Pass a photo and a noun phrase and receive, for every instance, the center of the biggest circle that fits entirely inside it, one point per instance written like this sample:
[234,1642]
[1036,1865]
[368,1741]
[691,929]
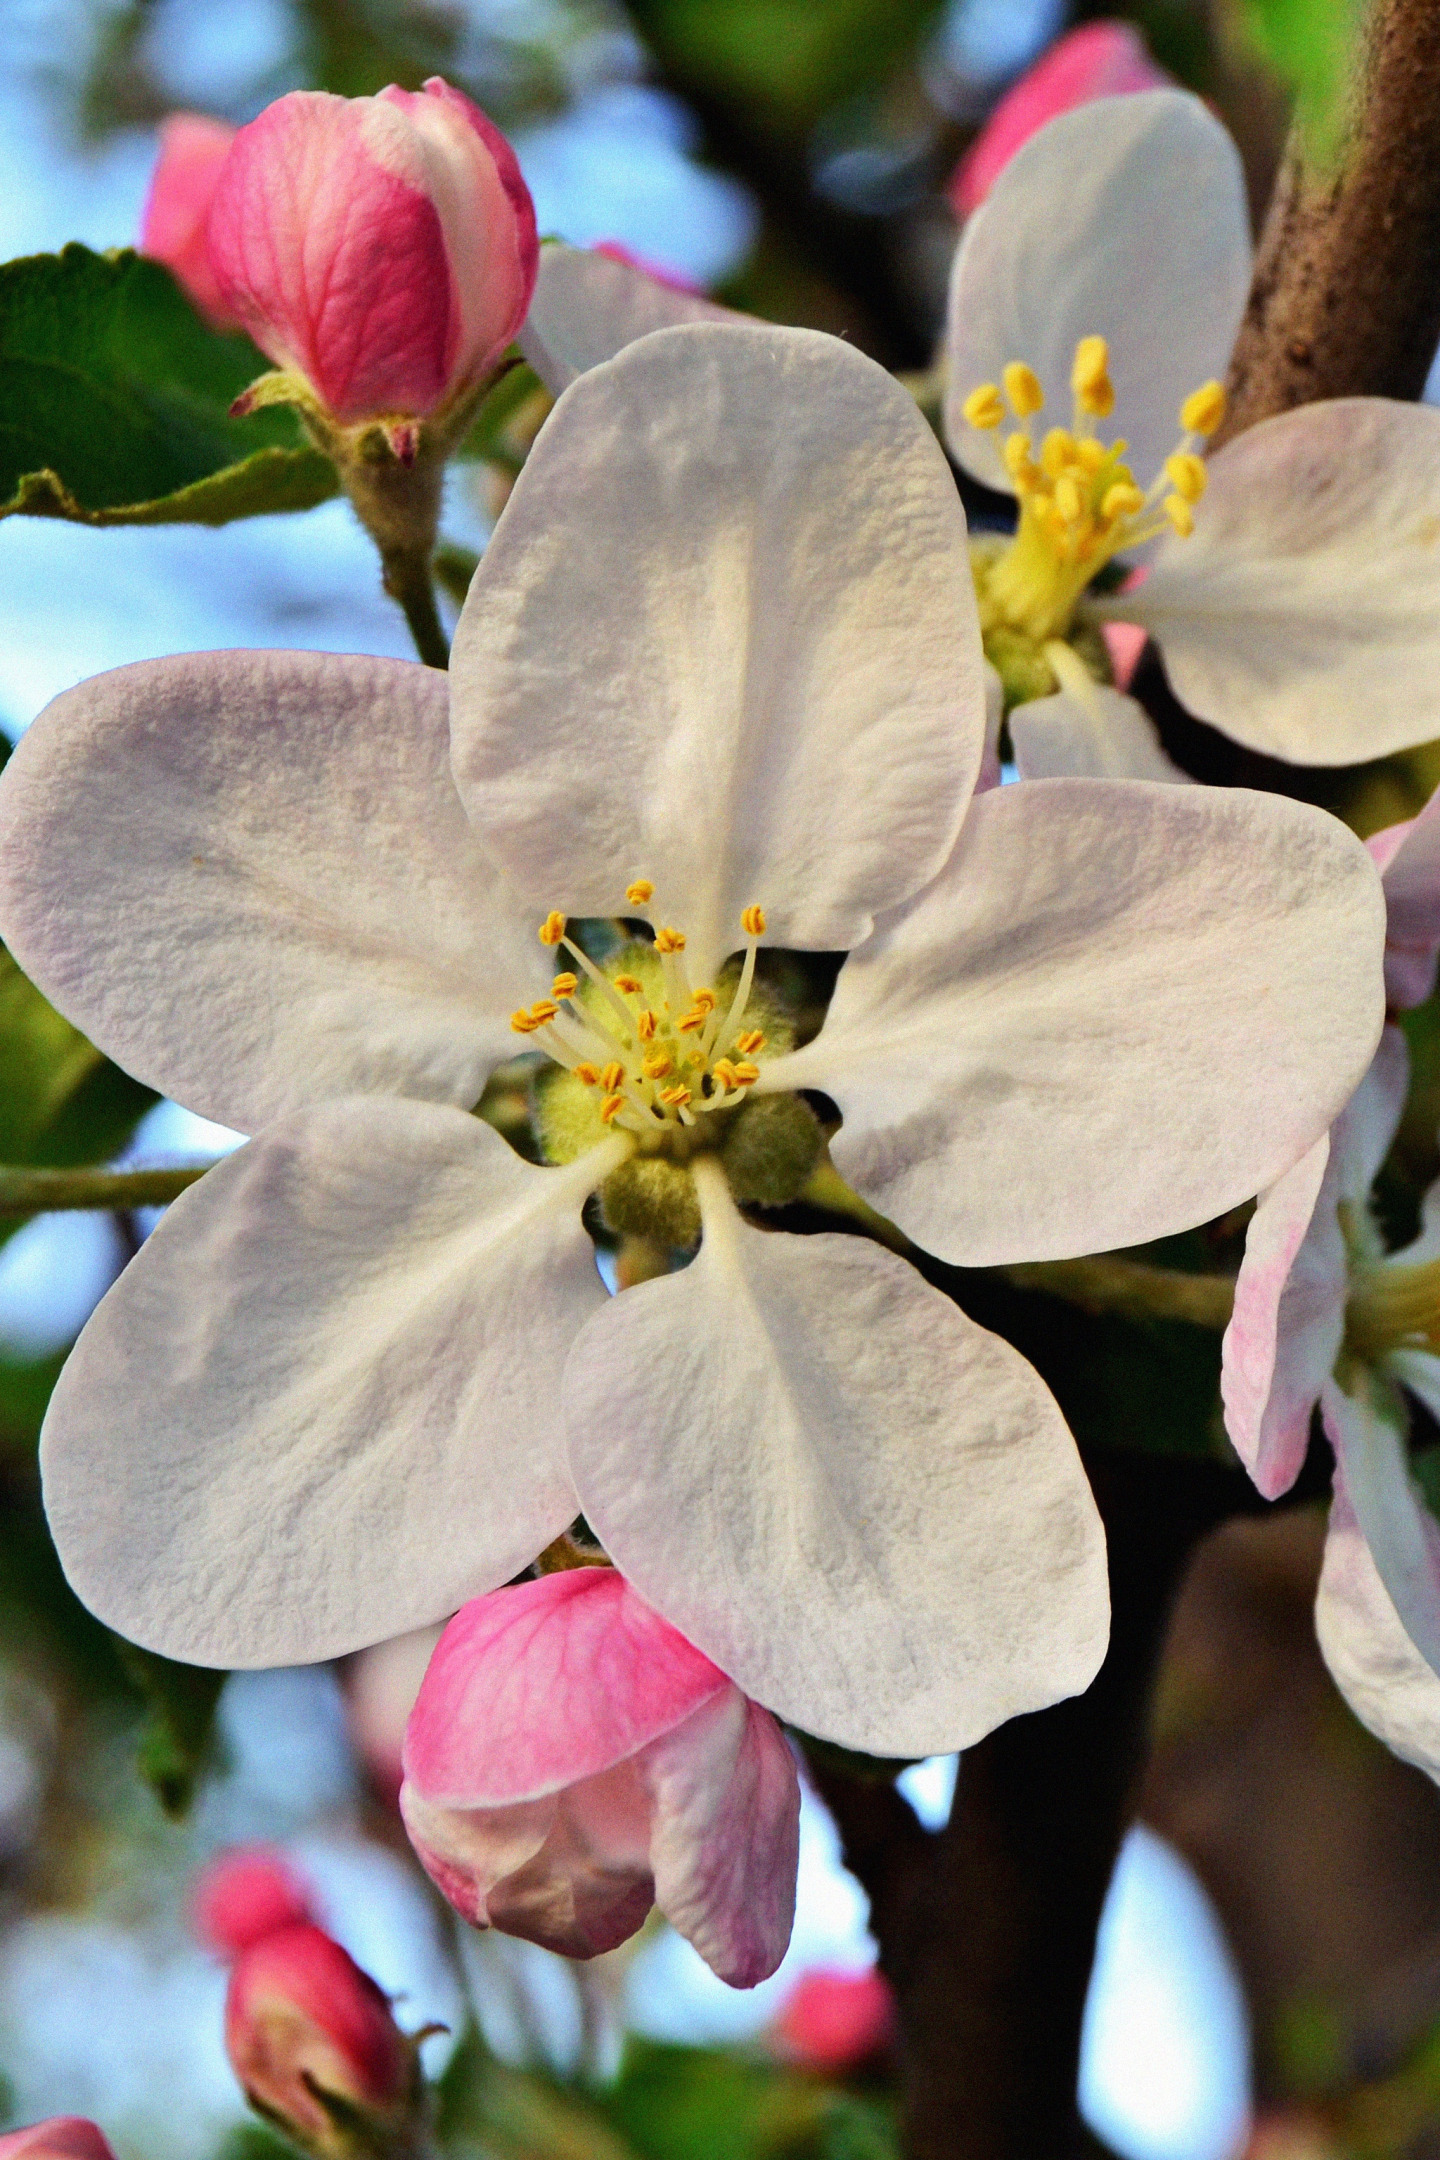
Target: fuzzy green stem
[408,579]
[41,1192]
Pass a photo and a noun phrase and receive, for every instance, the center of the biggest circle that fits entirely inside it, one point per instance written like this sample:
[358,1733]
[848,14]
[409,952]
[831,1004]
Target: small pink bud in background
[383,248]
[836,2020]
[59,2137]
[192,150]
[303,2023]
[245,1895]
[1100,59]
[572,1759]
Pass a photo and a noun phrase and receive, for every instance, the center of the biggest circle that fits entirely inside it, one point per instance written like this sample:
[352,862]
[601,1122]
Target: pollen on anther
[1204,409]
[588,1074]
[524,1023]
[752,922]
[748,1043]
[669,940]
[1090,377]
[658,1065]
[611,1108]
[543,1010]
[984,408]
[1181,516]
[646,1026]
[690,1021]
[553,928]
[564,986]
[1022,387]
[611,1077]
[1186,474]
[630,984]
[674,1097]
[640,892]
[745,1073]
[1122,500]
[705,1001]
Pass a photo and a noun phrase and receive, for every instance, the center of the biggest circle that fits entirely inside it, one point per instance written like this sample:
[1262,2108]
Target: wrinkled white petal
[587,307]
[867,1510]
[1120,1010]
[247,876]
[1419,1371]
[1361,1136]
[1123,219]
[1099,734]
[318,1408]
[989,775]
[1366,1426]
[1372,1660]
[725,638]
[1302,617]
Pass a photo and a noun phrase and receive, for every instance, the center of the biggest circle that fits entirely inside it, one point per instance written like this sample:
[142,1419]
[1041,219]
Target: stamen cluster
[658,1057]
[1080,504]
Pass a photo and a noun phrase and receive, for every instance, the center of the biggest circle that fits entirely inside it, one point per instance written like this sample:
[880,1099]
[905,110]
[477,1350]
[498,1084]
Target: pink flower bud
[1100,59]
[303,2023]
[572,1759]
[381,247]
[59,2137]
[836,2020]
[246,1895]
[192,150]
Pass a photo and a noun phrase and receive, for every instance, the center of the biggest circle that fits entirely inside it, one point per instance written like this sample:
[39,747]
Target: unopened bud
[836,2020]
[59,2137]
[246,1894]
[193,148]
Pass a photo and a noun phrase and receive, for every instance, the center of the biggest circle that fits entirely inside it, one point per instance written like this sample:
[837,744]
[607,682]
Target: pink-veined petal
[1289,1318]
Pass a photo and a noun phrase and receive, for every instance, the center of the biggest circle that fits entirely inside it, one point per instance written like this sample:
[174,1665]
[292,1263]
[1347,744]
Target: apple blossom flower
[193,147]
[59,2137]
[247,1893]
[590,303]
[1408,859]
[1295,592]
[316,2048]
[837,2020]
[380,250]
[1097,60]
[719,671]
[571,1760]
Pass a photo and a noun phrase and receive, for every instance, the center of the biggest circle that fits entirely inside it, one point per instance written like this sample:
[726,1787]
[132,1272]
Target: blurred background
[1269,1964]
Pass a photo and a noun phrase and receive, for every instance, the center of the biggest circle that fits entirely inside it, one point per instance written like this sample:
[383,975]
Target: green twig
[41,1192]
[408,579]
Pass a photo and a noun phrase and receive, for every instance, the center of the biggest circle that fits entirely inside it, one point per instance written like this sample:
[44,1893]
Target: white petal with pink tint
[1302,616]
[866,1509]
[725,638]
[587,307]
[1097,734]
[1372,1660]
[1289,1319]
[1124,219]
[1408,859]
[312,1412]
[1366,1425]
[726,1840]
[1119,1010]
[248,878]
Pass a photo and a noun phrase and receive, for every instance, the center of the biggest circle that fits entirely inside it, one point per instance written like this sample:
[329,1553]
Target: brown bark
[1346,295]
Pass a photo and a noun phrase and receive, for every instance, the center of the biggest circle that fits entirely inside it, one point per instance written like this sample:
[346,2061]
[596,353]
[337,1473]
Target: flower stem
[408,579]
[40,1192]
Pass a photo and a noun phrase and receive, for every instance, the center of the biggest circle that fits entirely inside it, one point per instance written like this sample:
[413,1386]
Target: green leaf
[61,1101]
[114,403]
[1311,46]
[689,2103]
[180,1703]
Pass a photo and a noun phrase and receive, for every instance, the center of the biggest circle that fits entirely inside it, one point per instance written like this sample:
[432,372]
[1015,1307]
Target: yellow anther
[564,986]
[752,922]
[1019,463]
[553,928]
[1022,387]
[1181,516]
[543,1010]
[1186,474]
[705,1001]
[1057,451]
[748,1043]
[690,1021]
[668,940]
[611,1108]
[745,1073]
[658,1066]
[724,1072]
[1068,499]
[630,984]
[673,1097]
[641,891]
[1090,377]
[1204,409]
[1091,454]
[646,1026]
[588,1074]
[1122,500]
[984,408]
[611,1077]
[524,1023]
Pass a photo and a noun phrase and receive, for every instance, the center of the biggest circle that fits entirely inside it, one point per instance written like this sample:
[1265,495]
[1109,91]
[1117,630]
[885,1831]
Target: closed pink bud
[245,1895]
[304,2024]
[59,2137]
[572,1759]
[382,247]
[1100,59]
[182,187]
[837,2020]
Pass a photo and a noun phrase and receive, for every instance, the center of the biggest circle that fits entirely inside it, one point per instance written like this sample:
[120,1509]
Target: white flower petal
[1408,857]
[1100,735]
[1419,1371]
[1372,1660]
[725,638]
[867,1510]
[317,1409]
[1123,219]
[1367,1429]
[587,307]
[1120,1010]
[1302,617]
[248,877]
[1365,1128]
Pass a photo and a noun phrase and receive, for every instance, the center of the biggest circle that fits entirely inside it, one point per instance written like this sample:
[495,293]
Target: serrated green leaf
[180,1704]
[114,403]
